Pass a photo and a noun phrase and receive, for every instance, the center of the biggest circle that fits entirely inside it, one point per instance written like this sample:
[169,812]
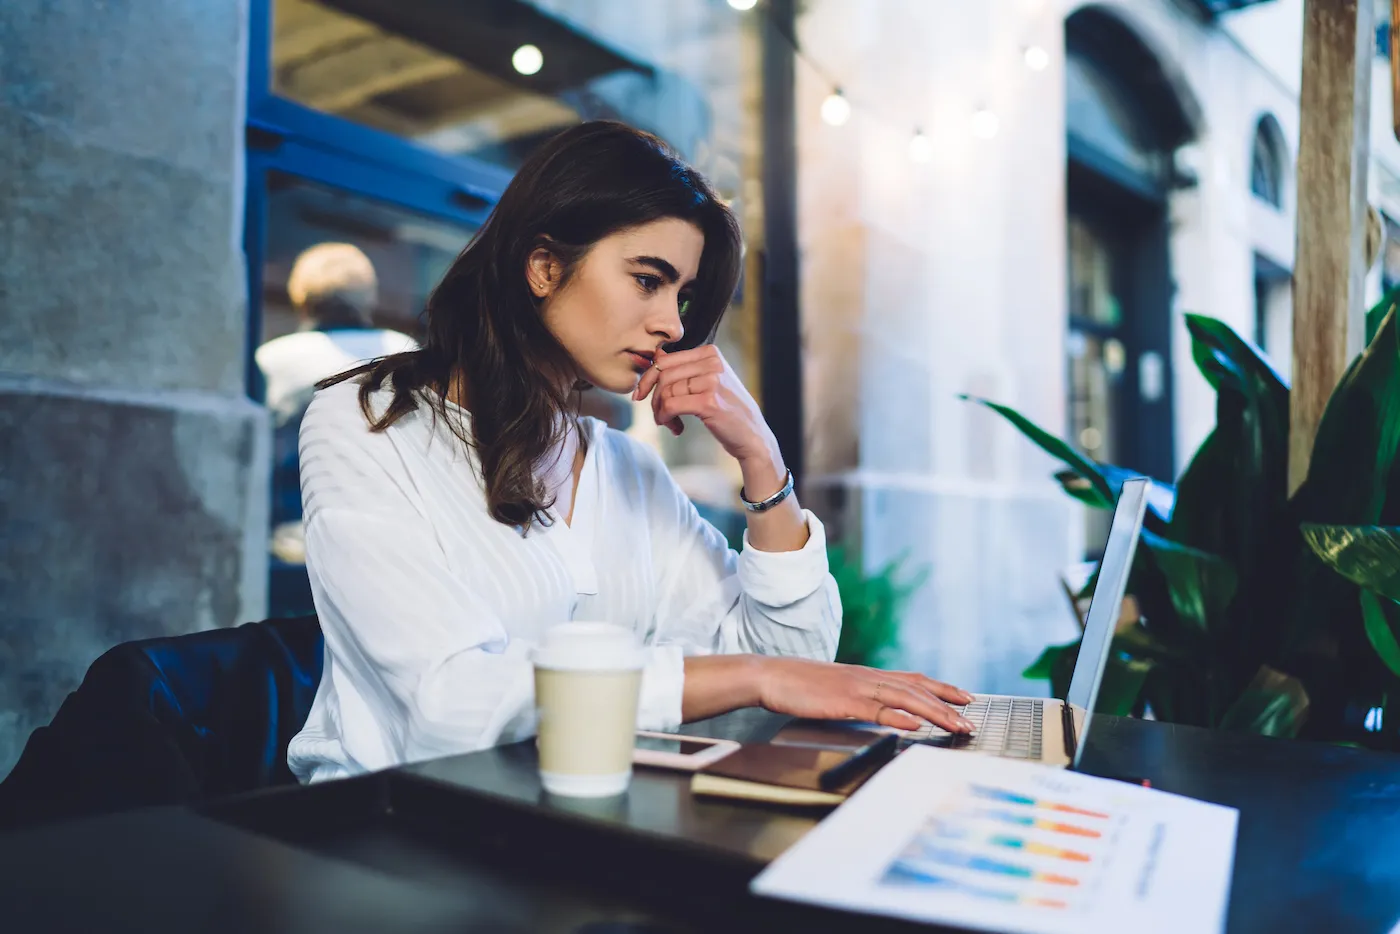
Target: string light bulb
[920,147]
[836,110]
[1037,59]
[985,124]
[528,59]
[742,5]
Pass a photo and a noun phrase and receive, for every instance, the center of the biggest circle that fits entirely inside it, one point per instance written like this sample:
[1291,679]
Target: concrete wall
[133,471]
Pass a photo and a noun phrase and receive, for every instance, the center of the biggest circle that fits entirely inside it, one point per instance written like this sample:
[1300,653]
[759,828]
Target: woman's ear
[543,271]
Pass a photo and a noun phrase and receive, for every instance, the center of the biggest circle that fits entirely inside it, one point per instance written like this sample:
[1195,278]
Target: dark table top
[474,843]
[170,869]
[1318,846]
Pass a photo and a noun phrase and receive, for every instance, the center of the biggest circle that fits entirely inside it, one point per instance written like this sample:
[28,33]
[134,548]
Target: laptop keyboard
[1006,726]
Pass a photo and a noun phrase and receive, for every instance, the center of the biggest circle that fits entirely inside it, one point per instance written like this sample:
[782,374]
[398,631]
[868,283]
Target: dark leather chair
[179,719]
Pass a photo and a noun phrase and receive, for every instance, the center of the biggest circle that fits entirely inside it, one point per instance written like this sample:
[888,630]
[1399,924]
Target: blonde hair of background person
[333,284]
[457,504]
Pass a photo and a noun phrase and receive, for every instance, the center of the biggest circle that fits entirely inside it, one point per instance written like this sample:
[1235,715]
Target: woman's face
[623,301]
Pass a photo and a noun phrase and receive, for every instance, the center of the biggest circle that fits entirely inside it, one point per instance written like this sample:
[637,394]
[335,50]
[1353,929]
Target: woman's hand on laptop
[828,691]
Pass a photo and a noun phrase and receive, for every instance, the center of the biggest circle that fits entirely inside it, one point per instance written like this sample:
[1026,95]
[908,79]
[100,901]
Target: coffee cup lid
[589,647]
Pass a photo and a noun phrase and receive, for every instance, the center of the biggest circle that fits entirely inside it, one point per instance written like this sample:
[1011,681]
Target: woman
[456,505]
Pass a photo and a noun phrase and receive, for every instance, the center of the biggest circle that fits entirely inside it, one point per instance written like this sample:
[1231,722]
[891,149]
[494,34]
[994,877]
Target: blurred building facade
[1088,173]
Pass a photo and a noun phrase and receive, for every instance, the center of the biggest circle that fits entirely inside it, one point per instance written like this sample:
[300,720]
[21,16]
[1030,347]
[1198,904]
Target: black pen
[882,749]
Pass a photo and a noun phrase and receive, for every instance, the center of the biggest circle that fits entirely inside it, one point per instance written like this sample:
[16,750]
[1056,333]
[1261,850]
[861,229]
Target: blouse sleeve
[712,600]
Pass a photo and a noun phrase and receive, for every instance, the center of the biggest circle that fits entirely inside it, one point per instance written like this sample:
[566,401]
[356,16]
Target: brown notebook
[780,773]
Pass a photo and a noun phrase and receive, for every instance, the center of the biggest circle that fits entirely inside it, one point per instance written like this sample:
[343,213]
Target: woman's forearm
[716,684]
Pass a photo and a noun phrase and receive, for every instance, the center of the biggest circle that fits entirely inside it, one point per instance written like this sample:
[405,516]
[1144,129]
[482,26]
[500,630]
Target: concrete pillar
[923,281]
[133,470]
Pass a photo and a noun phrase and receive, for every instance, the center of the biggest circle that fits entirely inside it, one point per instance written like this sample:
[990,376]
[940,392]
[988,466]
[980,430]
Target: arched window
[1102,115]
[1266,166]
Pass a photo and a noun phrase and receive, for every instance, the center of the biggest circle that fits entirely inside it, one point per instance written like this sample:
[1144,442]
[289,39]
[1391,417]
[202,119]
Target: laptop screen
[1104,608]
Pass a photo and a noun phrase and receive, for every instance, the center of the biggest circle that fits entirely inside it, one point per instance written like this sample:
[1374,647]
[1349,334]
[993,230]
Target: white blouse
[430,607]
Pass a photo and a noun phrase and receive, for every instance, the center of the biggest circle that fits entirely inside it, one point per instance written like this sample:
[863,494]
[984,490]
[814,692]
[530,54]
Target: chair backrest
[172,720]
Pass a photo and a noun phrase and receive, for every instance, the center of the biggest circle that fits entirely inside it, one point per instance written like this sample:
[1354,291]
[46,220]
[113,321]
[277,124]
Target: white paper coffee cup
[588,678]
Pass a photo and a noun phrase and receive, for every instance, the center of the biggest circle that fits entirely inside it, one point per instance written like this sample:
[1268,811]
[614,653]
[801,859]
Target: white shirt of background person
[334,289]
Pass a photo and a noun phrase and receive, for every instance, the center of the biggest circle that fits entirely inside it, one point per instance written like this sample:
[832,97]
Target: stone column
[921,281]
[133,470]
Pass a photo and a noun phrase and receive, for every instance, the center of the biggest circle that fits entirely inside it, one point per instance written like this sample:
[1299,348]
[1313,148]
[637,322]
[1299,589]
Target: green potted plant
[1243,625]
[871,607]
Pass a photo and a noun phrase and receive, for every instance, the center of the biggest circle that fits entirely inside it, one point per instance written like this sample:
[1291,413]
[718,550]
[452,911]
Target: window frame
[287,137]
[1268,145]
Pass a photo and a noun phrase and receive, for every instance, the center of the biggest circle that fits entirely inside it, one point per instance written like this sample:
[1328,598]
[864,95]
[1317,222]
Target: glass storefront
[407,252]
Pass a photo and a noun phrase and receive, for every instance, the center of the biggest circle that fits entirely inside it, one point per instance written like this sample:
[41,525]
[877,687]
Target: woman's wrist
[763,475]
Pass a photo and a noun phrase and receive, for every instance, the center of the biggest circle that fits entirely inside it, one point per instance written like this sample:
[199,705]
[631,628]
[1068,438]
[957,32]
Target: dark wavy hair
[484,326]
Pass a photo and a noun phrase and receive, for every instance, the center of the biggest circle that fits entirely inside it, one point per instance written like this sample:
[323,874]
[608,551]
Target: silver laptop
[1053,731]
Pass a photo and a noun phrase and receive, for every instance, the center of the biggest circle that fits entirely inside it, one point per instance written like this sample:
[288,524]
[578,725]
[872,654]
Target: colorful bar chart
[1011,797]
[952,832]
[968,847]
[906,873]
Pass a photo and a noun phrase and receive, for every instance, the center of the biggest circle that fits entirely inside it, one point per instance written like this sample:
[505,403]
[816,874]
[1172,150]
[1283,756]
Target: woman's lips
[639,361]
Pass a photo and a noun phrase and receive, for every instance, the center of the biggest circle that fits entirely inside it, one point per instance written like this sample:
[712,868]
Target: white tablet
[674,751]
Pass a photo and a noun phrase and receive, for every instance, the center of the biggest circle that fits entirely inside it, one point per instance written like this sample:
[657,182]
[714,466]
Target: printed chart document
[998,845]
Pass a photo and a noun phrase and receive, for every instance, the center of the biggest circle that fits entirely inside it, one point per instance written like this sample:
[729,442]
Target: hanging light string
[837,107]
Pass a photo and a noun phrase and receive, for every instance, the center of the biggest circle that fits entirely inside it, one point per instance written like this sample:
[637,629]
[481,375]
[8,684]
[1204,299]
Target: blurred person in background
[334,289]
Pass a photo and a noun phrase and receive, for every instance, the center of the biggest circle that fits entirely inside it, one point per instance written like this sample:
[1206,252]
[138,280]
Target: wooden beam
[1330,269]
[303,30]
[1395,68]
[353,74]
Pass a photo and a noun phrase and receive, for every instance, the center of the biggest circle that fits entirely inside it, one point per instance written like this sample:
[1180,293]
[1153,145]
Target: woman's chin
[621,383]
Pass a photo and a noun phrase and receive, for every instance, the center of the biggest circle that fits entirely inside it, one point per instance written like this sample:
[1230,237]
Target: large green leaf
[1044,667]
[1200,585]
[1101,494]
[1232,499]
[1224,356]
[1136,642]
[1081,489]
[1357,438]
[1121,686]
[1380,631]
[1119,690]
[1236,484]
[1273,703]
[1368,555]
[1161,497]
[1377,312]
[1354,458]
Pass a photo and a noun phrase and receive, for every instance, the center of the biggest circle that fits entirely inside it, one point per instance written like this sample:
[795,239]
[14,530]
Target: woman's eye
[648,283]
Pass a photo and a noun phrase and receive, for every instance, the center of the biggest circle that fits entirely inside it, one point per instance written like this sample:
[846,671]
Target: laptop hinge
[1067,722]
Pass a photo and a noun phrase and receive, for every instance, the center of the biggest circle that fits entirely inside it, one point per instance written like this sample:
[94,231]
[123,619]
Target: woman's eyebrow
[665,269]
